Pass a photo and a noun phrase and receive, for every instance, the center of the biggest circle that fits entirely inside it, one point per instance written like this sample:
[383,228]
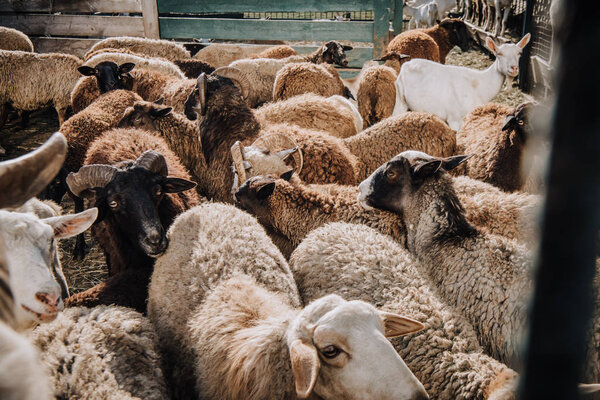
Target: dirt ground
[82,275]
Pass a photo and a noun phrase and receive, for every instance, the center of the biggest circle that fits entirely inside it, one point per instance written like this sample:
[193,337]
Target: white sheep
[225,308]
[36,276]
[451,92]
[359,263]
[425,14]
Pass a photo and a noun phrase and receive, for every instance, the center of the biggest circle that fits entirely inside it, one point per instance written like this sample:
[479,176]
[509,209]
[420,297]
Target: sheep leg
[24,118]
[3,114]
[62,116]
[81,249]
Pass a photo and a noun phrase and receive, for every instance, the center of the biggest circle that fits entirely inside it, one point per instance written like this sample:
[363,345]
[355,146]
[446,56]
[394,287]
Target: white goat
[35,272]
[424,14]
[502,11]
[451,92]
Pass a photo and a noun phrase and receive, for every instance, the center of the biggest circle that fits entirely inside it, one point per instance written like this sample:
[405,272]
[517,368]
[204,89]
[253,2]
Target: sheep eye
[521,122]
[330,351]
[158,191]
[113,204]
[390,173]
[138,118]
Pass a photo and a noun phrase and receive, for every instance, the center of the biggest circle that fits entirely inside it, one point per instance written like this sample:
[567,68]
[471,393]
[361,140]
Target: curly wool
[12,39]
[260,74]
[101,353]
[309,111]
[497,155]
[152,86]
[202,253]
[410,131]
[359,263]
[443,37]
[222,54]
[169,50]
[304,77]
[193,68]
[85,126]
[414,43]
[277,52]
[29,81]
[153,64]
[376,94]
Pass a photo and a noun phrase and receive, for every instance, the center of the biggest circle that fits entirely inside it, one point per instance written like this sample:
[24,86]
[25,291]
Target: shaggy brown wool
[169,50]
[193,68]
[376,94]
[152,86]
[12,39]
[413,43]
[278,52]
[298,78]
[447,34]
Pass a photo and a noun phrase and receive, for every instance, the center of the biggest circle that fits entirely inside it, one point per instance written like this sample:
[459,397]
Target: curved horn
[236,76]
[90,176]
[26,176]
[153,162]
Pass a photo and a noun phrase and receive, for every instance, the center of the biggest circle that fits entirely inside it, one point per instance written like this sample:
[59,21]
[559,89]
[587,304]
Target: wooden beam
[77,47]
[150,14]
[80,6]
[74,25]
[397,18]
[183,28]
[381,25]
[195,6]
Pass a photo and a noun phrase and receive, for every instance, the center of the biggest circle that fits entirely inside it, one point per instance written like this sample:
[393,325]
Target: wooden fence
[73,26]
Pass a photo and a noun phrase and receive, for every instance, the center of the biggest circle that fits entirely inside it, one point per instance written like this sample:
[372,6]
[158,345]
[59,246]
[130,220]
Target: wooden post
[150,13]
[525,61]
[382,13]
[397,21]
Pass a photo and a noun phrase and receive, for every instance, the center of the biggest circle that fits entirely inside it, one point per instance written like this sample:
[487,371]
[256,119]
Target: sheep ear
[508,122]
[265,191]
[348,94]
[283,154]
[247,164]
[125,68]
[396,325]
[450,163]
[159,101]
[65,226]
[491,45]
[87,71]
[347,48]
[287,175]
[160,112]
[176,185]
[305,366]
[425,169]
[523,42]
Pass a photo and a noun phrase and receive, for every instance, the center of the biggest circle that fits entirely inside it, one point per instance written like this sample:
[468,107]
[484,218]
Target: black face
[459,33]
[385,187]
[143,115]
[109,75]
[519,121]
[335,53]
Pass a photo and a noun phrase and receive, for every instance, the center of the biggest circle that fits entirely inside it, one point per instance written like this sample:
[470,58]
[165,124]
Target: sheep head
[334,52]
[144,114]
[109,75]
[457,31]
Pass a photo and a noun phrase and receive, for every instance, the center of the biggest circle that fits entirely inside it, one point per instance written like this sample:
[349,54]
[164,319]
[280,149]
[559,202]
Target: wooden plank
[82,6]
[348,73]
[77,47]
[195,6]
[175,28]
[382,14]
[397,17]
[74,25]
[150,14]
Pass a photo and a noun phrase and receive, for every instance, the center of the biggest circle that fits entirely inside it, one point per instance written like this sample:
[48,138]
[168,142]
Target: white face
[507,55]
[356,360]
[35,273]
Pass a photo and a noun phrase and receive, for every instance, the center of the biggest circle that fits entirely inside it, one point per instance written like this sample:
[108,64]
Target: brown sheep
[149,47]
[298,78]
[447,34]
[413,43]
[376,94]
[278,52]
[12,39]
[193,68]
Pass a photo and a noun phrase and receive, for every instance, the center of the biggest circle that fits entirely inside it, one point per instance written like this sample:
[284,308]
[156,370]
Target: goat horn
[153,162]
[26,176]
[236,76]
[90,176]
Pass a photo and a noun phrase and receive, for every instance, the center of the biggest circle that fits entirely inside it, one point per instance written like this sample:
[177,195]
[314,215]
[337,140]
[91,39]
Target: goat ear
[452,162]
[265,191]
[87,71]
[396,325]
[160,112]
[65,226]
[305,366]
[491,45]
[176,185]
[287,175]
[125,68]
[425,169]
[523,42]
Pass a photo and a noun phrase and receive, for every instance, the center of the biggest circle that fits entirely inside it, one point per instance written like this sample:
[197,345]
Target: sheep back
[298,78]
[414,43]
[154,64]
[221,54]
[260,73]
[101,353]
[150,47]
[376,94]
[277,52]
[12,39]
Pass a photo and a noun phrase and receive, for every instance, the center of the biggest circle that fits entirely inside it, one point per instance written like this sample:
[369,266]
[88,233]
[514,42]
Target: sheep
[376,94]
[130,236]
[171,51]
[410,44]
[359,263]
[31,81]
[449,33]
[424,14]
[496,136]
[226,311]
[334,115]
[424,85]
[101,353]
[193,68]
[36,276]
[102,78]
[277,52]
[446,246]
[298,78]
[12,39]
[164,67]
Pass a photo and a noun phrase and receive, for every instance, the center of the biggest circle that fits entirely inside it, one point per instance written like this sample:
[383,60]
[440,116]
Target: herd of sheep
[271,230]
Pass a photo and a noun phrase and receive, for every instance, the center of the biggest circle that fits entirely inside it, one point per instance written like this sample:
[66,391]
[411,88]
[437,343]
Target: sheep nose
[154,239]
[51,300]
